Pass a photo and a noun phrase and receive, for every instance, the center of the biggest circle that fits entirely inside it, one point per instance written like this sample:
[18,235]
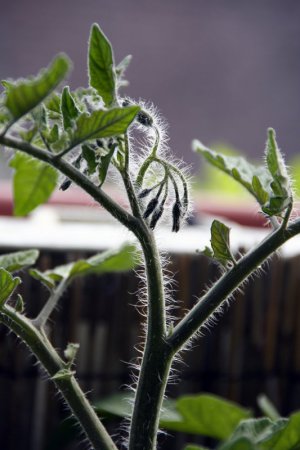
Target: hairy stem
[67,385]
[50,305]
[156,354]
[76,176]
[228,283]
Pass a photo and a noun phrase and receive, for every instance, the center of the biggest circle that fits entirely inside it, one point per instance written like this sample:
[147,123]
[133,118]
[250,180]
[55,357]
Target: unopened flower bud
[176,214]
[144,119]
[156,216]
[151,207]
[65,184]
[145,192]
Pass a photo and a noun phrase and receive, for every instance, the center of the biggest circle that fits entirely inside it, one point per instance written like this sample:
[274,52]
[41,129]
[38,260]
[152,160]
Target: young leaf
[13,262]
[104,164]
[68,108]
[43,278]
[101,66]
[219,243]
[281,197]
[26,94]
[118,260]
[34,181]
[256,179]
[7,285]
[121,69]
[103,124]
[89,155]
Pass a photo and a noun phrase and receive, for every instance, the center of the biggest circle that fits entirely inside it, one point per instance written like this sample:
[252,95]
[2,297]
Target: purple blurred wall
[217,70]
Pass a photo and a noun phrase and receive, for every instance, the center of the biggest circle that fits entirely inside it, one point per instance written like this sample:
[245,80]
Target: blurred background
[218,71]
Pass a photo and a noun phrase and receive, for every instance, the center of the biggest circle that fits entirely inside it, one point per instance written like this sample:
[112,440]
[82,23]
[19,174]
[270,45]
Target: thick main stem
[156,356]
[68,386]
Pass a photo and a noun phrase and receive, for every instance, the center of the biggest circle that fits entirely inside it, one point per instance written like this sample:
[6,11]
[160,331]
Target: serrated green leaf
[104,164]
[239,169]
[52,104]
[13,262]
[43,278]
[121,69]
[281,197]
[103,124]
[261,195]
[101,66]
[220,242]
[207,415]
[53,135]
[28,135]
[68,108]
[34,181]
[89,155]
[118,260]
[7,285]
[25,95]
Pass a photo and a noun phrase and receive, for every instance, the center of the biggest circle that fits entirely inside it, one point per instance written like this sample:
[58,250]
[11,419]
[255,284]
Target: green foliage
[220,244]
[13,262]
[101,66]
[103,124]
[119,260]
[268,183]
[202,414]
[281,197]
[7,285]
[24,95]
[34,182]
[69,110]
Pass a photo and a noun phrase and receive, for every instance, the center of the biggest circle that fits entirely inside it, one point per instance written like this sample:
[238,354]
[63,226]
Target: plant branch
[228,283]
[156,355]
[40,321]
[39,344]
[76,176]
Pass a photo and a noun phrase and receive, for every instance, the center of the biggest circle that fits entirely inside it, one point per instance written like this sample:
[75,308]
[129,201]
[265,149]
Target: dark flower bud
[65,184]
[125,103]
[151,207]
[156,216]
[99,143]
[144,119]
[145,192]
[176,214]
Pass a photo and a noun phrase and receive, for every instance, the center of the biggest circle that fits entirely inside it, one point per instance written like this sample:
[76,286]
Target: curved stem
[76,176]
[227,284]
[67,385]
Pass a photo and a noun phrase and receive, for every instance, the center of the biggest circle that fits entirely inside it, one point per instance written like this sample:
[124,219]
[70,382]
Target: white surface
[44,231]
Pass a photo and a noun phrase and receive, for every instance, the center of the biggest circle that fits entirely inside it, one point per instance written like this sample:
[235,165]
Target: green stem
[156,355]
[227,284]
[67,385]
[40,321]
[76,176]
